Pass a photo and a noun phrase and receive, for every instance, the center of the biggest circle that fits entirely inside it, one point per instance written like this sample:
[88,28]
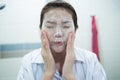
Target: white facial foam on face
[58,35]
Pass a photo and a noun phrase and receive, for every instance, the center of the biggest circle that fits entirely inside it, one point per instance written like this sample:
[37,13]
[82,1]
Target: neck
[59,60]
[59,57]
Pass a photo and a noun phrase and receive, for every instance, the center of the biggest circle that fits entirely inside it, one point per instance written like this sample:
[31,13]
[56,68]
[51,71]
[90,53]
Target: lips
[58,43]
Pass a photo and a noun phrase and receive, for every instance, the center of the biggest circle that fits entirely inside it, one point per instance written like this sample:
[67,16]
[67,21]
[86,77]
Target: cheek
[49,34]
[66,33]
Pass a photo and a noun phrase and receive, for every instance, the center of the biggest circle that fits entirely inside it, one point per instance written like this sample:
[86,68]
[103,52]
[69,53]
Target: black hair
[59,4]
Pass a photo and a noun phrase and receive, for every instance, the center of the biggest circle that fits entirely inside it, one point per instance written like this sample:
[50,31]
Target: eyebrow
[52,22]
[65,22]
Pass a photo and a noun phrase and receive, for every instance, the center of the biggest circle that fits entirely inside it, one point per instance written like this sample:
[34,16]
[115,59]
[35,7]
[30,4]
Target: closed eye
[50,27]
[66,26]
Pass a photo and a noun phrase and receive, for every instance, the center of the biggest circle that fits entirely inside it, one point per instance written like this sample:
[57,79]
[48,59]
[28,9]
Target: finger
[45,42]
[73,38]
[70,42]
[69,38]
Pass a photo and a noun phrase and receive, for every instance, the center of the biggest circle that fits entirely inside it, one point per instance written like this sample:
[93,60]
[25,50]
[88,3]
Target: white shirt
[86,67]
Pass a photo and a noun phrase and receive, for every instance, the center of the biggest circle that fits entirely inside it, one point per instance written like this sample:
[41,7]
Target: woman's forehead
[58,14]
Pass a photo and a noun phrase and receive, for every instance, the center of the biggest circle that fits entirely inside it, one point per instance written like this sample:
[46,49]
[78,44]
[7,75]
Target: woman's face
[58,23]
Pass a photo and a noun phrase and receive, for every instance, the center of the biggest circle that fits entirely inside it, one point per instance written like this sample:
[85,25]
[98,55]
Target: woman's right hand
[49,62]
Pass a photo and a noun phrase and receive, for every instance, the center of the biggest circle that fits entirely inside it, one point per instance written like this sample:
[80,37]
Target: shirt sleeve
[25,72]
[21,74]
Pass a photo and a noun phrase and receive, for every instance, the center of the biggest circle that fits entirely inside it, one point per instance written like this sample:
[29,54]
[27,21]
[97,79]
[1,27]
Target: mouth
[58,43]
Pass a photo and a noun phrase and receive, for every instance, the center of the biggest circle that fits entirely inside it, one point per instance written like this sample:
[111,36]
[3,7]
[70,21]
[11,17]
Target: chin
[58,49]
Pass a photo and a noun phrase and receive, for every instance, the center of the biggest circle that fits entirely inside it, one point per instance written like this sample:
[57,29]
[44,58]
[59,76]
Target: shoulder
[91,64]
[32,54]
[85,55]
[28,58]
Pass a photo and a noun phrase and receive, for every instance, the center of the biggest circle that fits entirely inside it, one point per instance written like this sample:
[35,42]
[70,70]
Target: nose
[58,33]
